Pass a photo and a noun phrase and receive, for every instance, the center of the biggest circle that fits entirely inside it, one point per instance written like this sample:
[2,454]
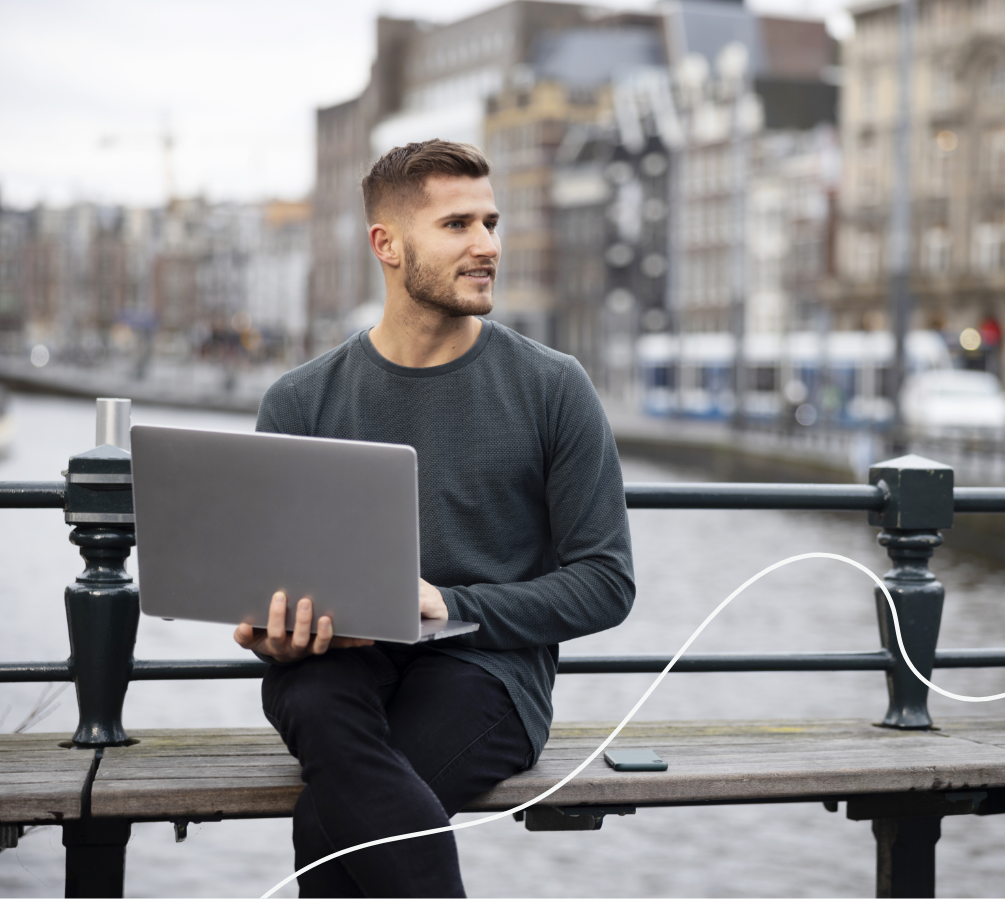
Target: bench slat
[40,781]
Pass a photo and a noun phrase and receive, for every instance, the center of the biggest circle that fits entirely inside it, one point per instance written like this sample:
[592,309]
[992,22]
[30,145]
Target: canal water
[686,562]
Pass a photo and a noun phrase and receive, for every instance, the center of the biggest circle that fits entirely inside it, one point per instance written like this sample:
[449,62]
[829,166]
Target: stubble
[438,291]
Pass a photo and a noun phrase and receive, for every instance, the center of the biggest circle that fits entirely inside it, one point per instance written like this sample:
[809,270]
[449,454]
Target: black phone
[634,760]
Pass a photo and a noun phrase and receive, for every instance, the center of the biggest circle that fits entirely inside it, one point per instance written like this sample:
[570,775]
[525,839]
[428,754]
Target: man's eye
[491,226]
[455,225]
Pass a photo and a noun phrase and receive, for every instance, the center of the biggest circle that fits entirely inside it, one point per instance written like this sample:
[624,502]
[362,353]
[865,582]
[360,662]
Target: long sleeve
[594,588]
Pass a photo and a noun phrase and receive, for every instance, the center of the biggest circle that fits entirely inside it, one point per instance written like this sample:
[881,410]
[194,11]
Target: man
[523,530]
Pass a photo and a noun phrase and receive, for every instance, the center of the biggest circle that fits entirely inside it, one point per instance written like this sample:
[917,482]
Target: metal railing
[909,499]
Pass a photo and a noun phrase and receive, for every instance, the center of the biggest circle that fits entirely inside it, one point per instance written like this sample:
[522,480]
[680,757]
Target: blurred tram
[844,377]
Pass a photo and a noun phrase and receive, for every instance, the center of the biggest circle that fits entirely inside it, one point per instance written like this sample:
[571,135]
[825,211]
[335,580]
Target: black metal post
[102,613]
[95,856]
[102,607]
[920,502]
[905,856]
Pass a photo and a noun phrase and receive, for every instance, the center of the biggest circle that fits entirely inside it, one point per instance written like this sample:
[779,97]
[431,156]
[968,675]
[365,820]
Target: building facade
[956,171]
[92,282]
[576,79]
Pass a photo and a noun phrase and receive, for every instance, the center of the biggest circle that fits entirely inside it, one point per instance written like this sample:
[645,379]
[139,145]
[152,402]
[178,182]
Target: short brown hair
[398,178]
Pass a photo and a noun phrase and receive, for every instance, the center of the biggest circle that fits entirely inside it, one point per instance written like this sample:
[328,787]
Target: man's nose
[484,245]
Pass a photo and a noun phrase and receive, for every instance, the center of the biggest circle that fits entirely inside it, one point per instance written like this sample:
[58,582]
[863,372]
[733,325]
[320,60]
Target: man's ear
[386,244]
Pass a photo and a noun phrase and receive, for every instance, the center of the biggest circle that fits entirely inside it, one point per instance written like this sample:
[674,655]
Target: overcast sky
[88,88]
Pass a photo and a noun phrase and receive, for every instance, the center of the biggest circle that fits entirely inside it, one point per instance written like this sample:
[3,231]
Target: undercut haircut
[397,181]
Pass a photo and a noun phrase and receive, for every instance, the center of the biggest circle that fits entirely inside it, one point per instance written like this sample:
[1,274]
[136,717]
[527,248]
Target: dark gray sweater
[522,514]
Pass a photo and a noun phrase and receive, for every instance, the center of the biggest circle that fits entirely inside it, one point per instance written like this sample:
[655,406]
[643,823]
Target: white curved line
[607,742]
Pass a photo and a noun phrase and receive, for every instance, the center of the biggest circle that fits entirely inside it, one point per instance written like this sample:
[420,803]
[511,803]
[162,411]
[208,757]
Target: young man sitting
[523,530]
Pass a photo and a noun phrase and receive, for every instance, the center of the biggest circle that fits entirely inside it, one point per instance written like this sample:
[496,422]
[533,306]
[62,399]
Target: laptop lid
[224,520]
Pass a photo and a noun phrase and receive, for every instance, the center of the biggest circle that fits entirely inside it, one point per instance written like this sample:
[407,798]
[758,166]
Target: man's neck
[424,339]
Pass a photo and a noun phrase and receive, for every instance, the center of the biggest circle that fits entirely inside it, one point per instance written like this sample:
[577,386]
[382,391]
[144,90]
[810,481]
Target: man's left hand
[431,603]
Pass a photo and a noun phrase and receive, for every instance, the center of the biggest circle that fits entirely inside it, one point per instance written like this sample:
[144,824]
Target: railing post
[920,502]
[102,607]
[102,614]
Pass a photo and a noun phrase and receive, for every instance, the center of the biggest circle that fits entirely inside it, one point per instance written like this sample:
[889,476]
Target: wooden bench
[904,778]
[180,775]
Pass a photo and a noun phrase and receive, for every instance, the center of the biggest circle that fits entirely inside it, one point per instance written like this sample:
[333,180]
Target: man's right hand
[275,641]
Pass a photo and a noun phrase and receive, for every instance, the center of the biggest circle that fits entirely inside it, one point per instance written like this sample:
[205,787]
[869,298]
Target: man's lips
[484,274]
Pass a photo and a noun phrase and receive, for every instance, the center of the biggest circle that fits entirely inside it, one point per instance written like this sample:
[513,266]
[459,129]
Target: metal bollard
[920,502]
[102,607]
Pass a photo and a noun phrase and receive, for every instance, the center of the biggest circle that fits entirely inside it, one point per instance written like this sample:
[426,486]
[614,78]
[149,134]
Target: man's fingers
[323,638]
[350,642]
[277,618]
[244,635]
[302,625]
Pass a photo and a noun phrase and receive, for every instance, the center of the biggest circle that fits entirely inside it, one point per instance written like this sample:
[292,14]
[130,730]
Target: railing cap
[104,459]
[99,487]
[920,493]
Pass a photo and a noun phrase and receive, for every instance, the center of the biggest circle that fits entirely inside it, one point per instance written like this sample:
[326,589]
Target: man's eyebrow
[467,216]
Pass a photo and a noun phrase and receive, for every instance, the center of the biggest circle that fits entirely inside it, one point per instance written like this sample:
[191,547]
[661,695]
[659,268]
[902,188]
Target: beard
[438,291]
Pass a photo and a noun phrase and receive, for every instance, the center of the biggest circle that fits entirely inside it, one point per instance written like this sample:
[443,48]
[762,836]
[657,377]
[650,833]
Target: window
[868,169]
[995,156]
[941,148]
[884,381]
[764,378]
[869,94]
[996,79]
[865,261]
[943,85]
[935,251]
[987,248]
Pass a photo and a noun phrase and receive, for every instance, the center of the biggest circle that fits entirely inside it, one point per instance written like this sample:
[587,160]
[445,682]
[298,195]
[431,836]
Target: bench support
[905,856]
[96,856]
[572,817]
[907,826]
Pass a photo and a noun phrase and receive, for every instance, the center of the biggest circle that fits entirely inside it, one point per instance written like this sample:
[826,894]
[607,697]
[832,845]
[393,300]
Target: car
[953,400]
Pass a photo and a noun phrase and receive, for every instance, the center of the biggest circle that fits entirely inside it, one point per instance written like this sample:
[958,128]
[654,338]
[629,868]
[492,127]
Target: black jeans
[390,740]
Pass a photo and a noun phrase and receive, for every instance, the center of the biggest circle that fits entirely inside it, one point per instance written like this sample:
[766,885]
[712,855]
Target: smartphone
[634,760]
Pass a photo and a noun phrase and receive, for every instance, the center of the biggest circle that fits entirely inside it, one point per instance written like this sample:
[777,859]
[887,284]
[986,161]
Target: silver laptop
[225,520]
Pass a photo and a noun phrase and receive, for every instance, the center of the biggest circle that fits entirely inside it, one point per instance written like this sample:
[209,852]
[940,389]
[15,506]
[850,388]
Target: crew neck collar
[433,370]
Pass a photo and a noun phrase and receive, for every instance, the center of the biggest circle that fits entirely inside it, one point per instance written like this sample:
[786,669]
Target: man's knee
[336,682]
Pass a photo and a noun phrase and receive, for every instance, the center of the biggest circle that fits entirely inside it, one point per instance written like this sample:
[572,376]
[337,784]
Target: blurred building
[611,189]
[753,93]
[91,282]
[957,171]
[13,243]
[231,279]
[565,89]
[704,204]
[791,226]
